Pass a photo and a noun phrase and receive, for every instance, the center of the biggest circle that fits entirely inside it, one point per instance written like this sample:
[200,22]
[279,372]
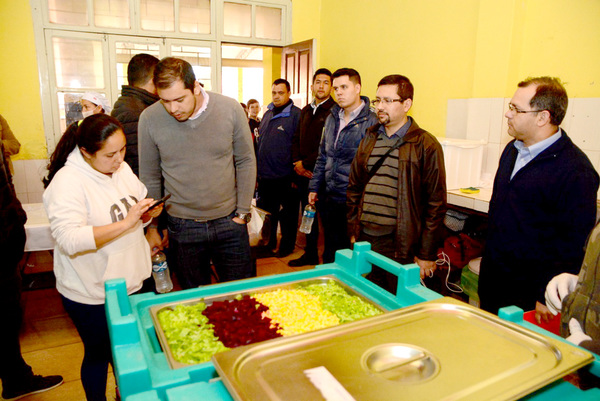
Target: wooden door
[297,68]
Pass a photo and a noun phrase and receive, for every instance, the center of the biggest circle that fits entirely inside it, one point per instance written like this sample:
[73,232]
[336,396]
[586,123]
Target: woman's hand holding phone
[156,207]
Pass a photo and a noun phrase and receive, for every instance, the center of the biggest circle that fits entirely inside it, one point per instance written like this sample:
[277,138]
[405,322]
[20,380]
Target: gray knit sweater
[208,164]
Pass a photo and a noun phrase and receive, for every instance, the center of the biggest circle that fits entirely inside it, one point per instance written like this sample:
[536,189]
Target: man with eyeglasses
[397,188]
[543,205]
[344,129]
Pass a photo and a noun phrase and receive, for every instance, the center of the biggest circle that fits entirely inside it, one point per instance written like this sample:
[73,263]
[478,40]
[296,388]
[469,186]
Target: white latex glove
[577,335]
[557,289]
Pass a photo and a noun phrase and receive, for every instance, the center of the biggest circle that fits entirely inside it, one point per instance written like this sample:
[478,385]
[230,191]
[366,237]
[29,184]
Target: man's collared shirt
[204,104]
[398,134]
[353,114]
[527,154]
[315,105]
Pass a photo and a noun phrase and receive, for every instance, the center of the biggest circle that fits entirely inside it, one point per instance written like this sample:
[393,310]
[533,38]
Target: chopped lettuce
[189,334]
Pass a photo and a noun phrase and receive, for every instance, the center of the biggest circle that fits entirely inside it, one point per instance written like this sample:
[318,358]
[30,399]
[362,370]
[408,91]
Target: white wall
[28,179]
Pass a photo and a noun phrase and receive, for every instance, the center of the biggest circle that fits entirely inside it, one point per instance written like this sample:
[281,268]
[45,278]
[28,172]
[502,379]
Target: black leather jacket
[421,193]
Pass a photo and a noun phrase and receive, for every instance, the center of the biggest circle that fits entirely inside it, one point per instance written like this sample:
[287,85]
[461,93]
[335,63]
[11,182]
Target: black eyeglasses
[514,108]
[385,101]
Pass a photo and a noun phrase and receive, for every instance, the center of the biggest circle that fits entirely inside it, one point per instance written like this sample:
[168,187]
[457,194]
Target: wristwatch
[244,216]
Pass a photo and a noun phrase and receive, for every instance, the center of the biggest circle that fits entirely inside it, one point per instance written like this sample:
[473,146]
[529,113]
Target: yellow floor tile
[47,333]
[64,360]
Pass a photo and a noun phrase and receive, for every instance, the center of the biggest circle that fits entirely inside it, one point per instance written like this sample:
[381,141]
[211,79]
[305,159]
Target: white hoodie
[79,198]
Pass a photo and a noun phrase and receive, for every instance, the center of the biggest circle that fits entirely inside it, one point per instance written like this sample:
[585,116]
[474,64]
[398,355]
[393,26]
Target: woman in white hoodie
[96,208]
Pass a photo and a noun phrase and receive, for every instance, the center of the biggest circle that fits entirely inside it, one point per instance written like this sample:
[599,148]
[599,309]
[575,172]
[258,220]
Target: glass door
[202,57]
[77,63]
[122,49]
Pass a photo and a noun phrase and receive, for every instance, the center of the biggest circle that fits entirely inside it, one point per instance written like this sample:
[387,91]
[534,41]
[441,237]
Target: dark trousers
[13,369]
[312,239]
[278,197]
[90,321]
[195,244]
[498,287]
[335,227]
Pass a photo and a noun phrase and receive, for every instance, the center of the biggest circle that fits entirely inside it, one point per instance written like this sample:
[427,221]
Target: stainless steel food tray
[437,350]
[154,310]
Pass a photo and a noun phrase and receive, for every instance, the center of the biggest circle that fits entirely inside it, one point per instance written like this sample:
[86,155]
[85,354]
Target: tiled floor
[51,345]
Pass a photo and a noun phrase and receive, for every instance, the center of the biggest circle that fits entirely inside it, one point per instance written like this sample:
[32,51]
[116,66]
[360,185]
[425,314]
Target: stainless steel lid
[443,349]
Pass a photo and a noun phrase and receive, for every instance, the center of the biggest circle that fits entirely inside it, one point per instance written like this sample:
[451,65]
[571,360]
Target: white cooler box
[463,159]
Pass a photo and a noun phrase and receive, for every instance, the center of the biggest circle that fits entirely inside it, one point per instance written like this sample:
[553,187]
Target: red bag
[460,249]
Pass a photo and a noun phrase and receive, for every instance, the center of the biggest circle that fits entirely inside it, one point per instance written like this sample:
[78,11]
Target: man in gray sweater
[198,145]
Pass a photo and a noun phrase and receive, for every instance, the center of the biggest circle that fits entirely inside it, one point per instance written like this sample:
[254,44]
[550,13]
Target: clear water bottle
[161,274]
[307,219]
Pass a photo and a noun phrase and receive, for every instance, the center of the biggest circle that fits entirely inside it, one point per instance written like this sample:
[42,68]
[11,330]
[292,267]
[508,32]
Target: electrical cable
[445,260]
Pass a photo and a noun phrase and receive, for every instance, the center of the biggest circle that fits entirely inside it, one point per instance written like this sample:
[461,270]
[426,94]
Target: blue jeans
[196,243]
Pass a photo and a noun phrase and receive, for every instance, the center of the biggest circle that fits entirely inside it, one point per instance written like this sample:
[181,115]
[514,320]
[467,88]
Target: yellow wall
[271,71]
[562,38]
[459,48]
[20,100]
[418,39]
[307,20]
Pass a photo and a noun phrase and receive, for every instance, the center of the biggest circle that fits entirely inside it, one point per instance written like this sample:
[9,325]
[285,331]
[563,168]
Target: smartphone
[159,202]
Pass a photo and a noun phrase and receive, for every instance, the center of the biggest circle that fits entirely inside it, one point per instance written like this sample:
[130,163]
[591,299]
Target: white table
[39,237]
[479,202]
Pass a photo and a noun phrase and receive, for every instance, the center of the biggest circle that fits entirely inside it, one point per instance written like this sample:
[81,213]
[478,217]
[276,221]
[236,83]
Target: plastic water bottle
[161,274]
[307,219]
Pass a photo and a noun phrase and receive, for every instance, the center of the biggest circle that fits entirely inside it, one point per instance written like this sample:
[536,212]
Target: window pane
[157,15]
[125,51]
[268,23]
[240,52]
[194,16]
[252,84]
[237,19]
[242,72]
[199,58]
[230,82]
[69,12]
[111,13]
[78,63]
[69,108]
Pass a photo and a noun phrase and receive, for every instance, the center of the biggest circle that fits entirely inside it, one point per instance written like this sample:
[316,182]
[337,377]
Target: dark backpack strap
[379,162]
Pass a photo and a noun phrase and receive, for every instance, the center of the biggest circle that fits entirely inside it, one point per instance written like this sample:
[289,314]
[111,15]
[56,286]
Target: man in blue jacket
[305,149]
[344,129]
[543,206]
[277,193]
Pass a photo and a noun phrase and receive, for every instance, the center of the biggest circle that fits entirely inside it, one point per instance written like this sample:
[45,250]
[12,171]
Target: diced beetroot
[240,322]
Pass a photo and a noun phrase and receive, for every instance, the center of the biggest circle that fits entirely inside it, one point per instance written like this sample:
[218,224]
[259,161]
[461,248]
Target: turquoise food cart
[436,333]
